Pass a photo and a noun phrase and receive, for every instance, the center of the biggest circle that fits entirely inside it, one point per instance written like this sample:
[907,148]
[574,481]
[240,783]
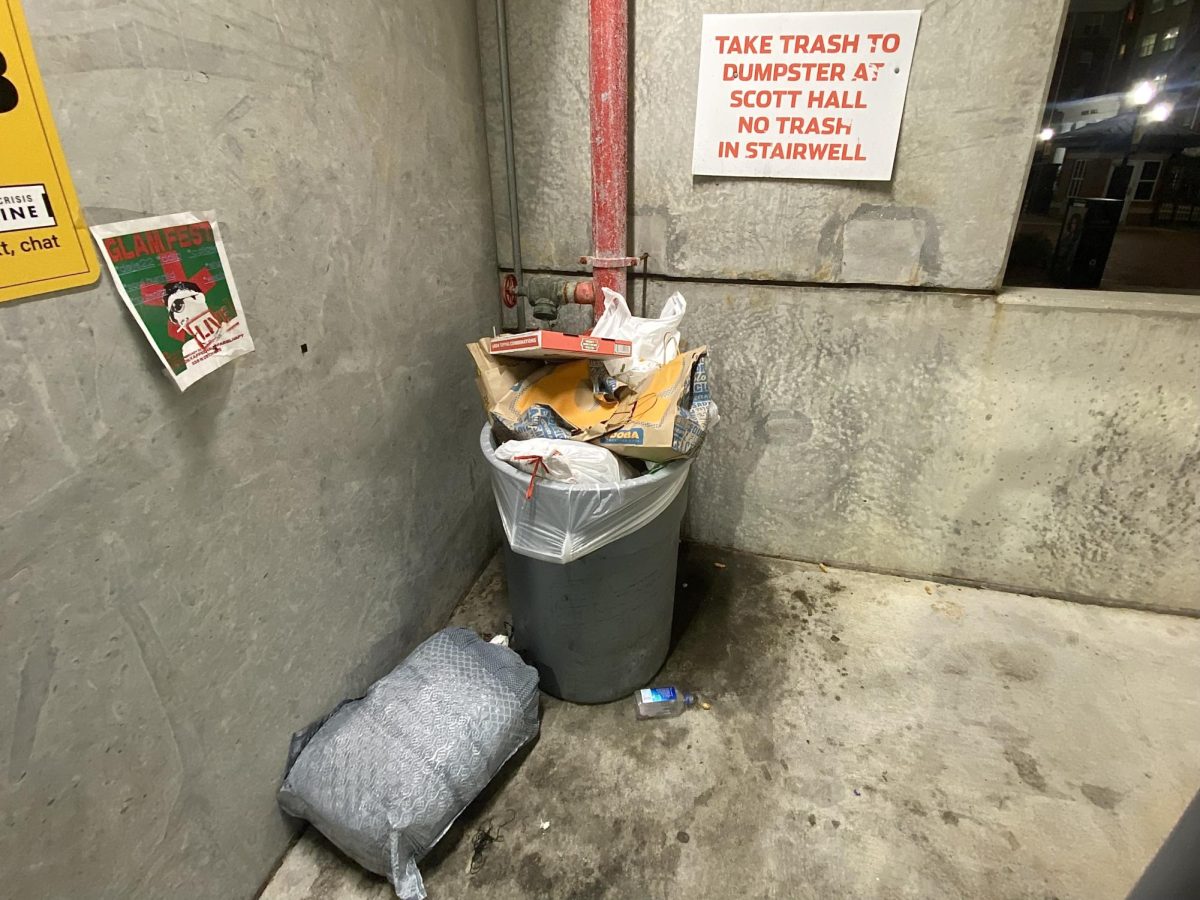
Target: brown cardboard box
[665,419]
[669,416]
[496,375]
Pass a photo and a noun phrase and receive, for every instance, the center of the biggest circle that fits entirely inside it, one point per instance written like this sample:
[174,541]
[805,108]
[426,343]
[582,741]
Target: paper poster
[174,276]
[44,244]
[803,95]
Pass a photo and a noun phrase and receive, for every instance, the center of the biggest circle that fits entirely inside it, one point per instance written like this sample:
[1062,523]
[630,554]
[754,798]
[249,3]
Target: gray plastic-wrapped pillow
[384,777]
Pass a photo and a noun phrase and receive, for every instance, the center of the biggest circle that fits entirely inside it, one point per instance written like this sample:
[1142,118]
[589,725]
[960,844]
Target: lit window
[1146,181]
[1157,5]
[1170,39]
[1146,47]
[1077,172]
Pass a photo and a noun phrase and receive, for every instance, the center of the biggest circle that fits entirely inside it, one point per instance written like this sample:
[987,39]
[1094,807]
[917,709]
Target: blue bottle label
[658,695]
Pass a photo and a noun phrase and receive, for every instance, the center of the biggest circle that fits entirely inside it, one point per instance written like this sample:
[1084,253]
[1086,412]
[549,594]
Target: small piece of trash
[544,826]
[685,584]
[823,567]
[484,837]
[719,565]
[857,792]
[704,704]
[928,589]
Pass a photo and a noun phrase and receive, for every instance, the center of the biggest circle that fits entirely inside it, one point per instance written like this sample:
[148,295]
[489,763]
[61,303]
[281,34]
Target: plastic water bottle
[661,702]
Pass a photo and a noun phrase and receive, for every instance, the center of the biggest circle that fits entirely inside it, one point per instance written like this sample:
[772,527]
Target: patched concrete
[186,579]
[869,736]
[979,79]
[1047,441]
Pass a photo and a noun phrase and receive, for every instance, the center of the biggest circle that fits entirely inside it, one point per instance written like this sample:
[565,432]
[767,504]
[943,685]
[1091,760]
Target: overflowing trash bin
[591,575]
[589,451]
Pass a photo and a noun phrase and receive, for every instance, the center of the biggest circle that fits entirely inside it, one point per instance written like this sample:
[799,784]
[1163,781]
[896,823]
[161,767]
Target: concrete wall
[979,78]
[186,579]
[1041,441]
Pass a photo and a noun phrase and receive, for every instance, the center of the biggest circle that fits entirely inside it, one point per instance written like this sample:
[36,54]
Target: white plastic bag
[560,523]
[655,341]
[573,462]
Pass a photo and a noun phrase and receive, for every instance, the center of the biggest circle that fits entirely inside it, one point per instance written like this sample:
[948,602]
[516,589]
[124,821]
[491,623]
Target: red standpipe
[609,56]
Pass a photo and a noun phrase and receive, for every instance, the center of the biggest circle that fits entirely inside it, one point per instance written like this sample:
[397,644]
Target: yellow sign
[44,242]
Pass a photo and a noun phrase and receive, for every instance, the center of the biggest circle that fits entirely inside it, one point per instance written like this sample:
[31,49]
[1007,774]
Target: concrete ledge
[1126,302]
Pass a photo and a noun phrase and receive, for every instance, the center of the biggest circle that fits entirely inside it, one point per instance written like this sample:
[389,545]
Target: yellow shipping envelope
[566,389]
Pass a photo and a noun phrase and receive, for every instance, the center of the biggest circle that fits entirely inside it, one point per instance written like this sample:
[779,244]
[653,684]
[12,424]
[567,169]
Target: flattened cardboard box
[668,418]
[665,419]
[543,344]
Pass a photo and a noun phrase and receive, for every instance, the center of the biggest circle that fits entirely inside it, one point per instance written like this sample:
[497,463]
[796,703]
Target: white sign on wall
[803,95]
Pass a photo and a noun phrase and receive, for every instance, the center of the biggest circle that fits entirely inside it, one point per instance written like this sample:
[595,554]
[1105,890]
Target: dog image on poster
[173,274]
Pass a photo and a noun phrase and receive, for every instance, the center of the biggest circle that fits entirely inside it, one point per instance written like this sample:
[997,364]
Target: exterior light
[1143,92]
[1046,134]
[1160,113]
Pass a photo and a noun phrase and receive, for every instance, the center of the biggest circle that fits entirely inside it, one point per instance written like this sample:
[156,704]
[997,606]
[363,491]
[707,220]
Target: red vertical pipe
[609,56]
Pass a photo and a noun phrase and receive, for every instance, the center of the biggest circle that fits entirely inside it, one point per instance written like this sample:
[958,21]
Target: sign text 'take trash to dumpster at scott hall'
[44,243]
[803,95]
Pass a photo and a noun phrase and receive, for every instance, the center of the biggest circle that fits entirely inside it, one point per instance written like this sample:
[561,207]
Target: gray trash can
[599,626]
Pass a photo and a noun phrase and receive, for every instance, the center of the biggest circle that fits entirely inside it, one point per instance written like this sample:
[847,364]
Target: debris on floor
[662,702]
[486,835]
[937,714]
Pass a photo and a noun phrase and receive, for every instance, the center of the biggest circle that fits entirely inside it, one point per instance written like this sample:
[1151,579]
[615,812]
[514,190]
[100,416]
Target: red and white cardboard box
[543,344]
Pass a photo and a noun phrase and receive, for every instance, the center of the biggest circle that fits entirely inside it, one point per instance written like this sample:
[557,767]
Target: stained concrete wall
[1042,441]
[186,579]
[979,77]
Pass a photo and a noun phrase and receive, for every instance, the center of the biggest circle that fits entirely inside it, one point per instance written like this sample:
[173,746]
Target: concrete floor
[869,736]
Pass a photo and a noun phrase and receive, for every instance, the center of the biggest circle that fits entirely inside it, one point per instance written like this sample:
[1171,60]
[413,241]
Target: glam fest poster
[174,277]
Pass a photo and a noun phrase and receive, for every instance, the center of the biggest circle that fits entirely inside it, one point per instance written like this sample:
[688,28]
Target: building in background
[1094,54]
[1126,125]
[1122,122]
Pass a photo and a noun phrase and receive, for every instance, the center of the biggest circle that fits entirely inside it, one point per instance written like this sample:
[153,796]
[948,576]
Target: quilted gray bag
[384,777]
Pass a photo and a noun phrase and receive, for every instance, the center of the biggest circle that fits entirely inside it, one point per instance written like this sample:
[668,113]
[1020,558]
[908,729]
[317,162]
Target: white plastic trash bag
[655,341]
[385,776]
[573,462]
[560,523]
